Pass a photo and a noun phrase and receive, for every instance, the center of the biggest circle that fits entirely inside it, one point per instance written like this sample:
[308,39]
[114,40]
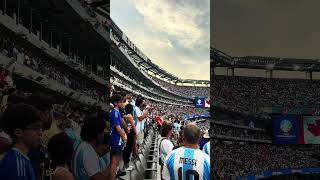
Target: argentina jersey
[15,165]
[186,164]
[206,148]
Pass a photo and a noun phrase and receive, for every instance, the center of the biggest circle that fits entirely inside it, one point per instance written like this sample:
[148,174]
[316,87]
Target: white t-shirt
[140,124]
[86,162]
[166,147]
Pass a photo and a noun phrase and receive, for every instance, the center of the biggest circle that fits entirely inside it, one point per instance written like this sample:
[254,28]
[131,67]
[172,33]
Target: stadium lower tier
[232,160]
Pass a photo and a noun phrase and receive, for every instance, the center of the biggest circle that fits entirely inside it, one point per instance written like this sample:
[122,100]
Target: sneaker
[121,173]
[119,178]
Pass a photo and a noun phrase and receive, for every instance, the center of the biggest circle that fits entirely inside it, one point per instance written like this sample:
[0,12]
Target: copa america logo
[285,126]
[199,101]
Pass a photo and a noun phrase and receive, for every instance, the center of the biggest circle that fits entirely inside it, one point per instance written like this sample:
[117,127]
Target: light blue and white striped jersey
[186,164]
[206,148]
[86,162]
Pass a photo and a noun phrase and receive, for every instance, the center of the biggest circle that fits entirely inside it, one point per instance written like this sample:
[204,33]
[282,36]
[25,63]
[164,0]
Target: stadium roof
[221,59]
[142,60]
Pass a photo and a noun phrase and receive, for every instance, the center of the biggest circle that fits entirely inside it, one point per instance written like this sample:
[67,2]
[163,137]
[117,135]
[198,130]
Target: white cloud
[179,22]
[171,33]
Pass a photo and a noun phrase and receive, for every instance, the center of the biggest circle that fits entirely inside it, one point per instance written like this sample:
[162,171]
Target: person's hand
[125,139]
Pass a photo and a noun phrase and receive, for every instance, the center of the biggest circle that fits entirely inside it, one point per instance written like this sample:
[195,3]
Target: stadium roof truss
[221,59]
[143,61]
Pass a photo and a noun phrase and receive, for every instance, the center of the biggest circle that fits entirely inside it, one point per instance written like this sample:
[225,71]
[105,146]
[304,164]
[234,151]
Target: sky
[174,34]
[276,28]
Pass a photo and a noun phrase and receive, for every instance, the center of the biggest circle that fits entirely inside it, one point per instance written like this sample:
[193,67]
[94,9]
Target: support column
[5,7]
[31,19]
[77,55]
[18,13]
[60,43]
[69,44]
[91,64]
[41,31]
[51,35]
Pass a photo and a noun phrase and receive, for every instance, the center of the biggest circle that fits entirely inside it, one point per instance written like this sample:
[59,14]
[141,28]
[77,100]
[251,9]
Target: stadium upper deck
[259,66]
[59,34]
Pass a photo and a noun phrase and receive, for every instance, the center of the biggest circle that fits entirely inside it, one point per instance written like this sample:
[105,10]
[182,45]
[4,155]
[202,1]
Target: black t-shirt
[41,163]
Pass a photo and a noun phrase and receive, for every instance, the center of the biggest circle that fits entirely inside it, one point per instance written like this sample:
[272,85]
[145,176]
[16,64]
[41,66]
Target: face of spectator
[30,136]
[46,117]
[100,139]
[119,104]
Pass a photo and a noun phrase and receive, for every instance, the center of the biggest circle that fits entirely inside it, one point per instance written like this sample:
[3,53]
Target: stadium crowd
[36,127]
[243,94]
[48,68]
[232,131]
[185,91]
[234,159]
[50,138]
[139,87]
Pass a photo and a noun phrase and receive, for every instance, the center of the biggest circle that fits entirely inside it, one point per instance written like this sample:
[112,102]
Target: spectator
[86,161]
[205,139]
[61,157]
[165,145]
[206,148]
[118,136]
[23,123]
[192,159]
[132,136]
[139,118]
[39,156]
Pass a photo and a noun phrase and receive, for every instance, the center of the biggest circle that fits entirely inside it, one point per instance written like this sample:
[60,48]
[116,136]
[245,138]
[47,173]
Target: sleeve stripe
[18,165]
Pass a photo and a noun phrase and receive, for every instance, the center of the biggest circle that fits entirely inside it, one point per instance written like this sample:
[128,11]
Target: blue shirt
[16,166]
[115,120]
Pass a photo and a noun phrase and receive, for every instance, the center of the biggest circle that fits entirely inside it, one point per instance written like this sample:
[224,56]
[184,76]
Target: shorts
[140,138]
[116,151]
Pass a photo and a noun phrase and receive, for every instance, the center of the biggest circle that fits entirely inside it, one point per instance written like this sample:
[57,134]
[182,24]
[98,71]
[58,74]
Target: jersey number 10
[188,174]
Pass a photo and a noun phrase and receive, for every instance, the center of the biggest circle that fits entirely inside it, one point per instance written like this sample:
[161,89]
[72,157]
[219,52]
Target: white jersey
[206,148]
[166,147]
[186,164]
[139,124]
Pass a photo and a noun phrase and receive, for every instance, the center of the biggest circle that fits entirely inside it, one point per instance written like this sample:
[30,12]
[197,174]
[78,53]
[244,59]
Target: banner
[311,129]
[285,129]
